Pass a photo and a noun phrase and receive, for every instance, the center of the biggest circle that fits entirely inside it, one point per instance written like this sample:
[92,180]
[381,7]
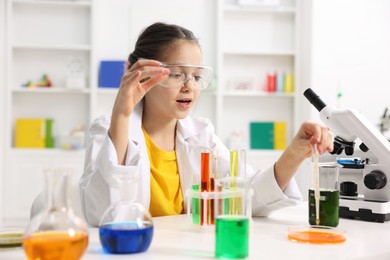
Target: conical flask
[56,232]
[126,226]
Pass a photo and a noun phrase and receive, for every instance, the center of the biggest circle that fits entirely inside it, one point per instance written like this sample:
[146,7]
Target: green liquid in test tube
[196,206]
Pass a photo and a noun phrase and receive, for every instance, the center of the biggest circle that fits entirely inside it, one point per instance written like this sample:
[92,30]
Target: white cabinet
[253,42]
[25,178]
[35,47]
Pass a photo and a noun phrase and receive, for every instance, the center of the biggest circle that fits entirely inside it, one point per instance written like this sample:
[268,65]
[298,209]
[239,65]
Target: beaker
[232,217]
[56,232]
[126,226]
[328,212]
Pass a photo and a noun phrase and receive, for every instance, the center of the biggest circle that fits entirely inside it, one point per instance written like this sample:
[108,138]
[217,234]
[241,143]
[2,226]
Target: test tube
[195,201]
[216,188]
[204,186]
[214,174]
[237,169]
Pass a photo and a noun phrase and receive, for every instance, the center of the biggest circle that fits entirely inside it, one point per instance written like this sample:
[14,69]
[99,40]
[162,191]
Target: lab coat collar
[186,127]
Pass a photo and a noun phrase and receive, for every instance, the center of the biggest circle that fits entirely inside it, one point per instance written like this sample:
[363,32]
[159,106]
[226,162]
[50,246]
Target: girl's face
[175,103]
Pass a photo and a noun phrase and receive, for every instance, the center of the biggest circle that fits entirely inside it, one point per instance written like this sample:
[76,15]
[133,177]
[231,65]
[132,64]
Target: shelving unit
[33,48]
[254,41]
[249,42]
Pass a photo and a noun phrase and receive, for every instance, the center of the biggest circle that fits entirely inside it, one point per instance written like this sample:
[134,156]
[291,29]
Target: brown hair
[156,39]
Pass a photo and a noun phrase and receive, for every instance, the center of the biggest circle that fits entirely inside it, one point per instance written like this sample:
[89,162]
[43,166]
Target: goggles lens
[198,77]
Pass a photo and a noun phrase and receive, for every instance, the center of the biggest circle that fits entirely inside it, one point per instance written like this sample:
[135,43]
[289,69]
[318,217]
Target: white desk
[268,240]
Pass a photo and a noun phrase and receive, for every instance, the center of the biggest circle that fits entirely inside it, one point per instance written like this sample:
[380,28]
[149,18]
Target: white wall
[351,51]
[2,101]
[121,21]
[346,47]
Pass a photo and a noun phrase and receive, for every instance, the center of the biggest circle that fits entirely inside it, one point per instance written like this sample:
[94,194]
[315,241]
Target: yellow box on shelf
[289,83]
[34,133]
[280,138]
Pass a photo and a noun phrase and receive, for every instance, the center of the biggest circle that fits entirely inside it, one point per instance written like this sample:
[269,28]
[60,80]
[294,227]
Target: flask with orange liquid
[56,232]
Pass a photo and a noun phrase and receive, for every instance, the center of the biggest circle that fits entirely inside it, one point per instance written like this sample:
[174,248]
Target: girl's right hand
[135,83]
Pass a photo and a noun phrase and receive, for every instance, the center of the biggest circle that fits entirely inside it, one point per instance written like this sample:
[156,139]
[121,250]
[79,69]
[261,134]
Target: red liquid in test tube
[211,206]
[204,185]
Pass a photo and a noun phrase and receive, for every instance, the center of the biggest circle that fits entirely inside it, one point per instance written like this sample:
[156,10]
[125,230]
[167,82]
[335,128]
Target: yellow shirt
[166,197]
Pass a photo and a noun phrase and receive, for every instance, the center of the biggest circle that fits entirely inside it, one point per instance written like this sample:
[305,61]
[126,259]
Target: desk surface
[268,240]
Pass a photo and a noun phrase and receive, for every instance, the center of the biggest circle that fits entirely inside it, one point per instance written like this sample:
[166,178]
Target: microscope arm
[350,125]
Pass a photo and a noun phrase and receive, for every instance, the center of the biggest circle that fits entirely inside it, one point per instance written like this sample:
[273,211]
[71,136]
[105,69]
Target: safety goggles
[180,75]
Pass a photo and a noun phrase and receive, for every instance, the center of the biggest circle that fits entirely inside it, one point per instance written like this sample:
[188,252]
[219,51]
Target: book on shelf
[268,135]
[34,133]
[110,73]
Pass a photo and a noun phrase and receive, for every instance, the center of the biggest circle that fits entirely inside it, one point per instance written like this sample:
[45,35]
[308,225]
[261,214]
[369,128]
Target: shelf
[107,91]
[208,92]
[260,52]
[45,152]
[31,24]
[256,41]
[248,93]
[263,152]
[34,46]
[51,90]
[260,9]
[114,91]
[83,3]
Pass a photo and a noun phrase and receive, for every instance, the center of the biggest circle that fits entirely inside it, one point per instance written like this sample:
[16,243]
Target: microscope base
[358,208]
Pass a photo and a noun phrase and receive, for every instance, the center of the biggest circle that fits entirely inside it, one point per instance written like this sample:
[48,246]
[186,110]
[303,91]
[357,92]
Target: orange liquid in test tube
[211,206]
[204,186]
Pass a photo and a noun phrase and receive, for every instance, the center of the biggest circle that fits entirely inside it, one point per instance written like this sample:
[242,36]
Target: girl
[150,135]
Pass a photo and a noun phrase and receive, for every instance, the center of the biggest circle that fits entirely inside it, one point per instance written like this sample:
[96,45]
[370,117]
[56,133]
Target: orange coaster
[316,235]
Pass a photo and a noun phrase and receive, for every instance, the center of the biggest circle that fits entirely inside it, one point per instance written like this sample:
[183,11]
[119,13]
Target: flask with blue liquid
[126,227]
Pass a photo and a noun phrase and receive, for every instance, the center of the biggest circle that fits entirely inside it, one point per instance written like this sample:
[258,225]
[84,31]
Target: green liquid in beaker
[232,236]
[329,208]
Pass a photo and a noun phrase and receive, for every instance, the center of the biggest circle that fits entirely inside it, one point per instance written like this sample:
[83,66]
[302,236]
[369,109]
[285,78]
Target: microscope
[373,202]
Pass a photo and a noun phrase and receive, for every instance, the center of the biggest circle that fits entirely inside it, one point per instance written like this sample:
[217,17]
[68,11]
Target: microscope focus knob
[348,188]
[375,180]
[363,147]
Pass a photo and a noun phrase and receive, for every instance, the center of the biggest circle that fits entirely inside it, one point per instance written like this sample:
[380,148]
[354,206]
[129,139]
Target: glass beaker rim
[328,164]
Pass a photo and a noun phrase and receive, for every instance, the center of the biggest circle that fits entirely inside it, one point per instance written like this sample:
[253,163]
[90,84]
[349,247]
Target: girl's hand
[300,148]
[312,133]
[142,76]
[135,83]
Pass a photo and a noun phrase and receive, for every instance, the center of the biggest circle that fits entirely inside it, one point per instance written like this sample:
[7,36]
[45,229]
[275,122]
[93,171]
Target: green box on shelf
[49,137]
[267,135]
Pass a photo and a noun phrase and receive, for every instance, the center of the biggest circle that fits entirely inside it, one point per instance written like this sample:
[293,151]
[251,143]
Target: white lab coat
[98,188]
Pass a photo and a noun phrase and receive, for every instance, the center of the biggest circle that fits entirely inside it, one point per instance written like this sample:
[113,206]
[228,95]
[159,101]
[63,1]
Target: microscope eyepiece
[314,99]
